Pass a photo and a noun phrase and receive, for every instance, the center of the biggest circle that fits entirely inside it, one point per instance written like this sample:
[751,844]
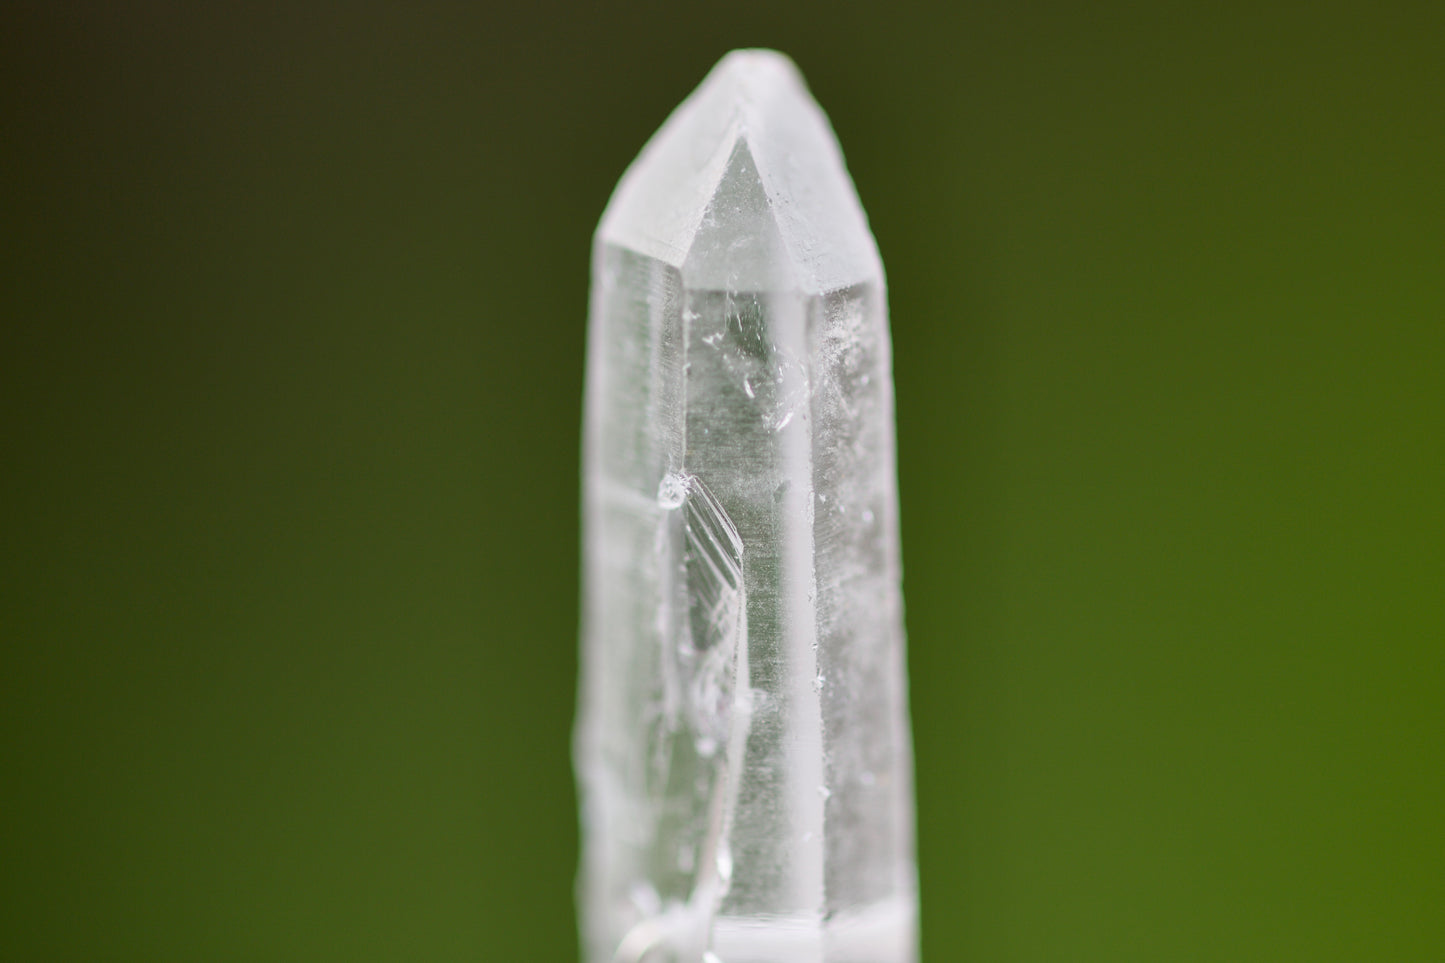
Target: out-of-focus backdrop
[290,380]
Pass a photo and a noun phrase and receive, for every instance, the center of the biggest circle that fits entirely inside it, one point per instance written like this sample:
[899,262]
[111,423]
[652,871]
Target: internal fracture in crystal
[742,743]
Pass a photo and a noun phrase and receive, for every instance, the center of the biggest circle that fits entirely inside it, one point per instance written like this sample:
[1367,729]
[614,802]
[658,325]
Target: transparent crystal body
[742,743]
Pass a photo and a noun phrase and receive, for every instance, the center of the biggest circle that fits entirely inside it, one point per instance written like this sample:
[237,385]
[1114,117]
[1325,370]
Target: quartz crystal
[742,741]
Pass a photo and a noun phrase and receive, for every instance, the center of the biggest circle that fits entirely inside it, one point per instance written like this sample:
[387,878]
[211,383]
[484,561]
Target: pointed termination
[742,742]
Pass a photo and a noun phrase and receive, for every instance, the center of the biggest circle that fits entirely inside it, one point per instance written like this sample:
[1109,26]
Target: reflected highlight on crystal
[742,743]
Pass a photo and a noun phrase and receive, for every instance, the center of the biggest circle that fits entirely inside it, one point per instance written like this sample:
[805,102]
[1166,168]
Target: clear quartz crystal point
[742,740]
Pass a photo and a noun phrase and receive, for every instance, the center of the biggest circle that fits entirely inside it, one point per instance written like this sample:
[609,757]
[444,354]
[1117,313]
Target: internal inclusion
[699,739]
[711,641]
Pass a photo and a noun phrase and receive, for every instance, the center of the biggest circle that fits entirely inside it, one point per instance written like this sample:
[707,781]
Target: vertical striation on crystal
[742,742]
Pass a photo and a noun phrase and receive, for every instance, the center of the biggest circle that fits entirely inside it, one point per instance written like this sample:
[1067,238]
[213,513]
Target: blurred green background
[290,381]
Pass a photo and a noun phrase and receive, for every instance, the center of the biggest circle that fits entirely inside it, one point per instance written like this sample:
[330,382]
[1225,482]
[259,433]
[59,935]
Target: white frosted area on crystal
[756,97]
[742,743]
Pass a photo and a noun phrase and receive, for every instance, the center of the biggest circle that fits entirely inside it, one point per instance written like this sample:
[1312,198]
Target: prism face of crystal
[742,743]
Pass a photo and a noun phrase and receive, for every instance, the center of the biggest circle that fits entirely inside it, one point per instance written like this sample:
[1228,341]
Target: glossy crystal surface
[742,743]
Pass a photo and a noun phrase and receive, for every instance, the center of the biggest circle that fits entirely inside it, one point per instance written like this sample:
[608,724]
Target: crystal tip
[755,67]
[751,130]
